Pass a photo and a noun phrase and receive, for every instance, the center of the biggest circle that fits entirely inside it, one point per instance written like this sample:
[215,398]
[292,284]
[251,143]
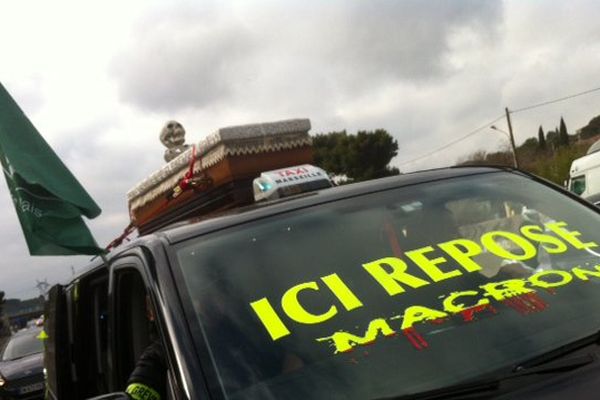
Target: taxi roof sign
[288,181]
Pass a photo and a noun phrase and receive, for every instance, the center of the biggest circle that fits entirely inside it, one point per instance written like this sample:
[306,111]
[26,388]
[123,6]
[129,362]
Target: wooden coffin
[224,165]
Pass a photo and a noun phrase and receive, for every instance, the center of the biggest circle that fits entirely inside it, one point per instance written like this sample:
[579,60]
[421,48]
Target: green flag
[48,198]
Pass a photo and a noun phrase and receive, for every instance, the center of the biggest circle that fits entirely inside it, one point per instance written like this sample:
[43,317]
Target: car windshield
[23,344]
[394,292]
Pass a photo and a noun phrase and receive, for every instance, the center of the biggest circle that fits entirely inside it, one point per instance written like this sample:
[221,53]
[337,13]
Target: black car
[452,284]
[21,366]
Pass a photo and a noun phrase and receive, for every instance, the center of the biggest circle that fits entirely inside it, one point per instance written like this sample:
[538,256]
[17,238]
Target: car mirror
[112,396]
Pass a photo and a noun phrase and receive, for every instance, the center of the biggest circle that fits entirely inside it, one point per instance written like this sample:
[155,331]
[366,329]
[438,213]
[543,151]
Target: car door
[135,321]
[57,349]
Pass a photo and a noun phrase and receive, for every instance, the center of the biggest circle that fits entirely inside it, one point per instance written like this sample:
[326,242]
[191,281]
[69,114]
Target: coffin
[223,167]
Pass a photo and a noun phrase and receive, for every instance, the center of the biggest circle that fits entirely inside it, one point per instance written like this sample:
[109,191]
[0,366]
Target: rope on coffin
[188,182]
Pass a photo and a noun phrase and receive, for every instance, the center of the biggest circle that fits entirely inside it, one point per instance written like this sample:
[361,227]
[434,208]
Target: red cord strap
[126,232]
[183,185]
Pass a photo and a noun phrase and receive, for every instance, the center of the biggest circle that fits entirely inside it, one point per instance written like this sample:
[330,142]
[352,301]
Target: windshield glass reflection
[361,297]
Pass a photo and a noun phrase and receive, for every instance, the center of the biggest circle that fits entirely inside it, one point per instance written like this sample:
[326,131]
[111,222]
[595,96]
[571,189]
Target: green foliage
[530,144]
[552,139]
[541,139]
[552,164]
[563,134]
[360,157]
[549,156]
[330,150]
[484,158]
[591,129]
[555,166]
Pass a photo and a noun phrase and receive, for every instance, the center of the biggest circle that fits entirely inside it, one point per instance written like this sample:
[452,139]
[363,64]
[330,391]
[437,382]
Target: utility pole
[512,139]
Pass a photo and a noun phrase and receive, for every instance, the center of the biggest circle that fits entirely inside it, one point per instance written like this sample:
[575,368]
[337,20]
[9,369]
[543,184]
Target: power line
[473,132]
[518,110]
[545,103]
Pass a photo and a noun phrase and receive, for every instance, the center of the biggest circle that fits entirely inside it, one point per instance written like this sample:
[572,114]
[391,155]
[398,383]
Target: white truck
[584,175]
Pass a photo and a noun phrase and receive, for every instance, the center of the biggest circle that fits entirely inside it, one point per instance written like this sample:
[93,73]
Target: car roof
[190,228]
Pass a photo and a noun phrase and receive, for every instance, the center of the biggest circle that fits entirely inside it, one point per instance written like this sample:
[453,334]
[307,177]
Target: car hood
[22,367]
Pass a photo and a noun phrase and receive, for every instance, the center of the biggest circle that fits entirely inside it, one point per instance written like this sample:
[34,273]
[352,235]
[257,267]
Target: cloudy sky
[99,81]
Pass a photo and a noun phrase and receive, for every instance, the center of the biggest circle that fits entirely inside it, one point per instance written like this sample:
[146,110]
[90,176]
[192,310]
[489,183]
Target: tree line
[367,154]
[356,157]
[548,154]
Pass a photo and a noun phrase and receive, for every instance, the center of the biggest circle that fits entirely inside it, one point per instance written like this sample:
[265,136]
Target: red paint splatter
[415,338]
[551,291]
[438,321]
[469,314]
[526,303]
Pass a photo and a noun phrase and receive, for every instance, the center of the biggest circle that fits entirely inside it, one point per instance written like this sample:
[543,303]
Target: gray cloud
[182,58]
[108,180]
[382,40]
[308,52]
[428,72]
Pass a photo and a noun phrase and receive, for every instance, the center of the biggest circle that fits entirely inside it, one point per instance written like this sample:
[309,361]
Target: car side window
[133,328]
[137,335]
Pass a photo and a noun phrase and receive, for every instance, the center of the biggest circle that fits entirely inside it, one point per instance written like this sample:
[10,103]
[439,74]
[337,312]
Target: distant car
[21,366]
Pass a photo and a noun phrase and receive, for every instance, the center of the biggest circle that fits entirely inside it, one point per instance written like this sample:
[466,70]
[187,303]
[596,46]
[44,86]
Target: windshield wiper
[550,356]
[479,388]
[547,363]
[556,365]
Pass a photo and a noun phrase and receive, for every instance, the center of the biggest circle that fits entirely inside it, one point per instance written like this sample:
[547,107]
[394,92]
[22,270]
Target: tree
[529,145]
[359,157]
[541,139]
[527,150]
[552,139]
[330,151]
[563,134]
[591,129]
[481,157]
